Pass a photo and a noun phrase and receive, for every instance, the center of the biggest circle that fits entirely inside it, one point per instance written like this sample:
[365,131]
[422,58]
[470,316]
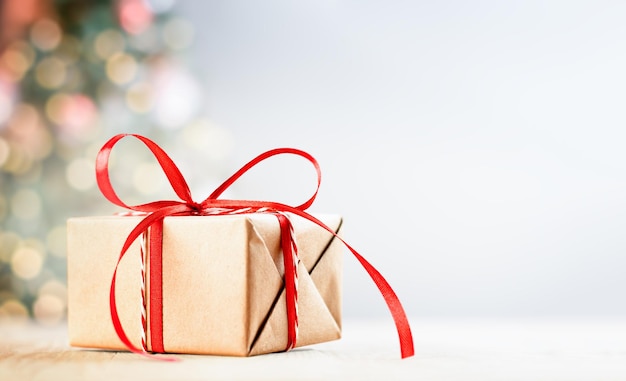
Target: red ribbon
[158,210]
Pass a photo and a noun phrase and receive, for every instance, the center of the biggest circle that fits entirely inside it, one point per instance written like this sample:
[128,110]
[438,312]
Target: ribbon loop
[212,205]
[266,155]
[176,179]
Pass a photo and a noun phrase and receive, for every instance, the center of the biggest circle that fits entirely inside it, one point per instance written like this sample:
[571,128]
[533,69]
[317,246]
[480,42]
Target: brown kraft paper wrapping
[223,291]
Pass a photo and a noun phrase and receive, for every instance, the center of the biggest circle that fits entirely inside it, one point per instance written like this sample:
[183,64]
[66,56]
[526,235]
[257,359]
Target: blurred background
[475,149]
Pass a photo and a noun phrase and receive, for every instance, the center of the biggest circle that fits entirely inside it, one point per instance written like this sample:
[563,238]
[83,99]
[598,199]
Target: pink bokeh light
[134,16]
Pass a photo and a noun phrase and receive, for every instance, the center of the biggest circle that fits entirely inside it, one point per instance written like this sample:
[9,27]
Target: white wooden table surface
[445,350]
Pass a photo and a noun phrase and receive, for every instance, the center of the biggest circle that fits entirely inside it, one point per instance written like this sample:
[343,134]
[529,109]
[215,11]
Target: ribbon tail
[393,302]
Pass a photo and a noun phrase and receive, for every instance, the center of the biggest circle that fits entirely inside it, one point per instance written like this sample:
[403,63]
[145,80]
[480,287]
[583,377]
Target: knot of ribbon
[156,211]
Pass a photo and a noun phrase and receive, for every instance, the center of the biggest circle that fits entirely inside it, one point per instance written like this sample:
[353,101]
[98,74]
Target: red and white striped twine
[144,320]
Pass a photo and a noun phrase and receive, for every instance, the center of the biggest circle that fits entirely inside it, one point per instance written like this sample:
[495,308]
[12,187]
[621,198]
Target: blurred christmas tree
[72,74]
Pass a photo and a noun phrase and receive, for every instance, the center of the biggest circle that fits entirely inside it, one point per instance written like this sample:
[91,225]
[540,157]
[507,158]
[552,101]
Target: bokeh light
[17,161]
[121,68]
[45,34]
[139,97]
[80,174]
[134,16]
[177,97]
[26,262]
[51,73]
[6,106]
[55,288]
[81,113]
[13,311]
[55,107]
[56,241]
[48,310]
[72,113]
[109,42]
[5,151]
[30,139]
[25,118]
[8,243]
[49,307]
[17,59]
[148,178]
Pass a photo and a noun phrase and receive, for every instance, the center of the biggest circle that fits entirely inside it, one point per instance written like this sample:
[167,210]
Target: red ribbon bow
[158,210]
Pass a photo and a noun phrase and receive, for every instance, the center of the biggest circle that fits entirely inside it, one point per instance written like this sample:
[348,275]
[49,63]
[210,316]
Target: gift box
[223,277]
[222,283]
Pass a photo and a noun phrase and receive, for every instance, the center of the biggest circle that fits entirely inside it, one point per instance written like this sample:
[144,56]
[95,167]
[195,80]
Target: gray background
[475,149]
